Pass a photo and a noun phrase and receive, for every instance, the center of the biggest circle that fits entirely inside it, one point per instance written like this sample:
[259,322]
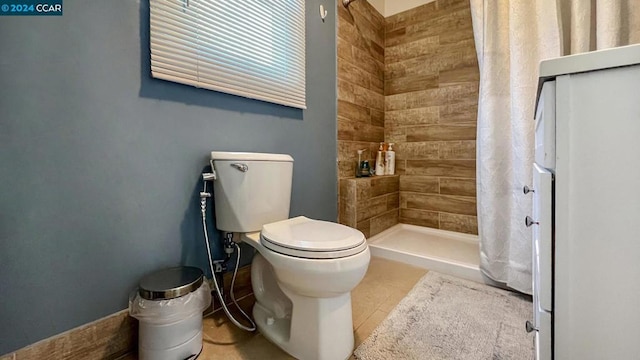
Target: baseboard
[114,335]
[106,338]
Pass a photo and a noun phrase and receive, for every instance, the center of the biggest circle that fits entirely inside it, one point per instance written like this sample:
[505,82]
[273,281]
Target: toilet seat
[313,239]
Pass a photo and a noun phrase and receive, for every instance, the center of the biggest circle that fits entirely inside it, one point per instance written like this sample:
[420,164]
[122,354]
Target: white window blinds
[250,48]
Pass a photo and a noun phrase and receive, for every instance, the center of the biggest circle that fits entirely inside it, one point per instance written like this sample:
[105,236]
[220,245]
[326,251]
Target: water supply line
[229,245]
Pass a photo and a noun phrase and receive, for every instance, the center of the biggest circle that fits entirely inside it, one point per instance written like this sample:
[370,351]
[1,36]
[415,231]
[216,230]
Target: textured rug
[444,317]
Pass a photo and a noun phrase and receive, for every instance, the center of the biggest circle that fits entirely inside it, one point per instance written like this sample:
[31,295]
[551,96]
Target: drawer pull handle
[527,190]
[529,221]
[529,326]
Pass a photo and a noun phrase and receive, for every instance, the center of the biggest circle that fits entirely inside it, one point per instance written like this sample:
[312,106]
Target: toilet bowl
[303,289]
[304,269]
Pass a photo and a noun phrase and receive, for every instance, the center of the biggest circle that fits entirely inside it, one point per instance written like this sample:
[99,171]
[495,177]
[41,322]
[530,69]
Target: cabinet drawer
[543,336]
[542,235]
[545,129]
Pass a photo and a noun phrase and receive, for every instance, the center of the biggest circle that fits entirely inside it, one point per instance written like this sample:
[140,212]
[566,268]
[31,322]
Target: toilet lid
[304,237]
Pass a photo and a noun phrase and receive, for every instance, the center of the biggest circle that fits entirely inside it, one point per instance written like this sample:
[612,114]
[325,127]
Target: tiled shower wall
[431,99]
[368,204]
[410,79]
[360,84]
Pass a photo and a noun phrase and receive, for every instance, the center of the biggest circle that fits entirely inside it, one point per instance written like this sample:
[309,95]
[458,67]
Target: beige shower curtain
[512,36]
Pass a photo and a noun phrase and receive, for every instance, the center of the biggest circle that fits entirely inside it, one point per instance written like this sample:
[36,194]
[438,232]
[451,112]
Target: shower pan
[443,251]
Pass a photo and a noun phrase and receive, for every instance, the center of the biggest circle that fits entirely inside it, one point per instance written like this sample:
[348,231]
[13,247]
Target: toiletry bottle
[390,161]
[380,160]
[365,170]
[359,164]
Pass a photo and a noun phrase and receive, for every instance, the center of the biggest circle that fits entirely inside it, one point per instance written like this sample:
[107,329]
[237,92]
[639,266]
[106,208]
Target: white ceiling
[392,7]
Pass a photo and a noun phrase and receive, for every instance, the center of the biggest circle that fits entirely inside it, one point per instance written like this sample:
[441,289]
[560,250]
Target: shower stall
[411,79]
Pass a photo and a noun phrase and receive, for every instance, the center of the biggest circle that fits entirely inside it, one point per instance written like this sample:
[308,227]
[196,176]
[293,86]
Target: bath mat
[444,317]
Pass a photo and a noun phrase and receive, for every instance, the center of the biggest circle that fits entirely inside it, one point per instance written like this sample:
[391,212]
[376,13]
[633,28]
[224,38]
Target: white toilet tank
[251,189]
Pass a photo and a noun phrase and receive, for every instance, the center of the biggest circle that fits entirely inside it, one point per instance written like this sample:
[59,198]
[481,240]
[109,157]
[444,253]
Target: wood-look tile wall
[431,97]
[369,204]
[411,79]
[360,84]
[108,338]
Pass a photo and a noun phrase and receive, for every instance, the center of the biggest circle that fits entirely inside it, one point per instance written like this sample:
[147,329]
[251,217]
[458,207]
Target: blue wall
[100,163]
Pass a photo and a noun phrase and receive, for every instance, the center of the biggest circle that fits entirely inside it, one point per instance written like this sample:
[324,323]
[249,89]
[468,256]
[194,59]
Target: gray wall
[100,163]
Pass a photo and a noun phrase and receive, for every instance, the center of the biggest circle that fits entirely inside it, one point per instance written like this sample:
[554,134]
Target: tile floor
[385,284]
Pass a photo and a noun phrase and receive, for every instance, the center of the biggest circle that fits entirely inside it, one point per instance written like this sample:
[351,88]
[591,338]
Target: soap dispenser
[390,161]
[380,160]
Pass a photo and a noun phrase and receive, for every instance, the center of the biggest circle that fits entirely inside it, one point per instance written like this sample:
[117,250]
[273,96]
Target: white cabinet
[586,207]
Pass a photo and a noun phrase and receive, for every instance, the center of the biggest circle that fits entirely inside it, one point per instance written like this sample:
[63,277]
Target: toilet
[304,269]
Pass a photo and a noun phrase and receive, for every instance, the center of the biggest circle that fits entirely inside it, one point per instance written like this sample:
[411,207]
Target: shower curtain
[511,37]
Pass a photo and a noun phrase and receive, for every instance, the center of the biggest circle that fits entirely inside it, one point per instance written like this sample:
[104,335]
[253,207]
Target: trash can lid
[170,283]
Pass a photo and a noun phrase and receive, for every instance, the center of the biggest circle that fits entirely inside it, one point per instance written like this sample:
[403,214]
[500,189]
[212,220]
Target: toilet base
[317,329]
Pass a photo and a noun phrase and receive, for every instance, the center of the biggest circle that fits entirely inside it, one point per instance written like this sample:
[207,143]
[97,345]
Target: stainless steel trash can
[169,305]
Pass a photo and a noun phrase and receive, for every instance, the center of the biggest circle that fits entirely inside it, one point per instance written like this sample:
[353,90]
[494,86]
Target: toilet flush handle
[241,167]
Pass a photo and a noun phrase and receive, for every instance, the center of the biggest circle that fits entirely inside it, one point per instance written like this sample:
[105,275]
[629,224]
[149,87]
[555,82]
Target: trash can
[169,305]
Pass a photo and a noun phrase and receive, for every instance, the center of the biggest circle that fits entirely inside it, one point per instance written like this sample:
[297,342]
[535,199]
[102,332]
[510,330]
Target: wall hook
[323,13]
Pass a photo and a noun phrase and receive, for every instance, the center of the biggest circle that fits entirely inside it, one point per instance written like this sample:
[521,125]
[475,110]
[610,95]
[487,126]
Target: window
[250,48]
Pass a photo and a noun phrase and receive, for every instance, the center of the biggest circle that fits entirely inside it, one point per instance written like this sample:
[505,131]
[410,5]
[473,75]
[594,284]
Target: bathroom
[102,163]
